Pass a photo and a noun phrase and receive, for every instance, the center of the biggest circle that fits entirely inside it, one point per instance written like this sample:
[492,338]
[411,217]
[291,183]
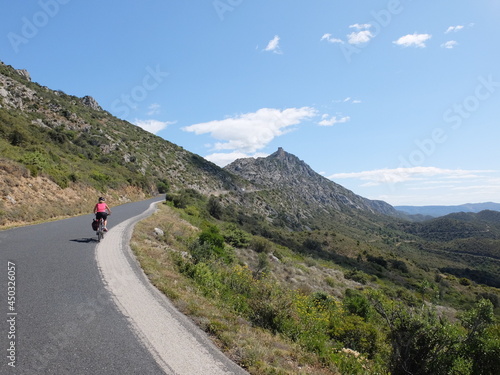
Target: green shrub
[236,237]
[214,207]
[192,211]
[17,138]
[358,276]
[464,281]
[35,161]
[423,343]
[356,303]
[163,186]
[99,176]
[400,265]
[355,333]
[210,246]
[261,245]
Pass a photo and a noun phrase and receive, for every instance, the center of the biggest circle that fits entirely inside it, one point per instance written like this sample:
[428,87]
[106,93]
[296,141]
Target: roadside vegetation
[283,284]
[275,310]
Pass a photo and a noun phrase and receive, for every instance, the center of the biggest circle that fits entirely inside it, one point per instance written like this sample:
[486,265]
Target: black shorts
[101,215]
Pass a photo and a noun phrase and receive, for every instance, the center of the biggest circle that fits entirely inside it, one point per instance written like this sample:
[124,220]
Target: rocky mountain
[72,144]
[300,191]
[59,152]
[55,147]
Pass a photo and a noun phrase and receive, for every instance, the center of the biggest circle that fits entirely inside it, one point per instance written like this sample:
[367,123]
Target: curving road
[87,308]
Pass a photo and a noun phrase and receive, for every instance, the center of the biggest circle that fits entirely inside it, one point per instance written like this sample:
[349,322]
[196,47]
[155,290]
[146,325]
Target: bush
[464,281]
[358,276]
[36,162]
[178,200]
[356,303]
[311,245]
[377,260]
[399,265]
[425,344]
[214,207]
[192,211]
[18,138]
[261,245]
[236,237]
[210,246]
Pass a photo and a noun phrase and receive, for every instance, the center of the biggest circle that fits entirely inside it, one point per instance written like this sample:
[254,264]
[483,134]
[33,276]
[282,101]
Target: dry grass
[29,200]
[255,349]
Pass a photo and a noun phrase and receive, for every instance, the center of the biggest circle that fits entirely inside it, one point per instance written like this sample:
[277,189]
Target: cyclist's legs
[103,216]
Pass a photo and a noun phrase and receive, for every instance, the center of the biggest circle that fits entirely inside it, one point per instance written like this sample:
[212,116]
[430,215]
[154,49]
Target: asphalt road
[68,313]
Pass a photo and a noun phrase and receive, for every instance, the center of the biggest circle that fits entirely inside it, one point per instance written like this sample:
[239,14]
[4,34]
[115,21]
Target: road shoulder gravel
[176,343]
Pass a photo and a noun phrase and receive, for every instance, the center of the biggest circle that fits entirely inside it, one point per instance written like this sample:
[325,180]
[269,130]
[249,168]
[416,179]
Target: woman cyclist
[101,211]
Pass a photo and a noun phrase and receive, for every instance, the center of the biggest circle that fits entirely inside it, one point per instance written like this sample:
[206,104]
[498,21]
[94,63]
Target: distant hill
[297,194]
[58,152]
[436,211]
[281,219]
[69,149]
[484,224]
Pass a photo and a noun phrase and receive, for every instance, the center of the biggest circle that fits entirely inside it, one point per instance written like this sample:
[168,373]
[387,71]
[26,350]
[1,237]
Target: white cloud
[250,132]
[330,39]
[152,126]
[449,44]
[413,40]
[360,37]
[274,45]
[454,29]
[364,35]
[325,121]
[358,26]
[398,175]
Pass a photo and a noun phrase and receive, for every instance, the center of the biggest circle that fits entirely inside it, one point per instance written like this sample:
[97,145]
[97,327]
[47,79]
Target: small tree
[210,246]
[214,207]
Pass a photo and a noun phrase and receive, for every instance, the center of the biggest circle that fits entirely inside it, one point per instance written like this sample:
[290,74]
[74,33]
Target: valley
[268,249]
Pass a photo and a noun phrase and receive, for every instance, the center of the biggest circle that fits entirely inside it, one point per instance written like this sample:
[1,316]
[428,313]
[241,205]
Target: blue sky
[396,100]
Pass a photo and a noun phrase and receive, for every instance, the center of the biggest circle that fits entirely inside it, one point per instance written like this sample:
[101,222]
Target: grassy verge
[274,311]
[254,348]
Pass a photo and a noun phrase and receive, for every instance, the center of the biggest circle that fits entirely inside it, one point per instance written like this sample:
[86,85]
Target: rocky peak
[91,102]
[24,73]
[290,175]
[280,154]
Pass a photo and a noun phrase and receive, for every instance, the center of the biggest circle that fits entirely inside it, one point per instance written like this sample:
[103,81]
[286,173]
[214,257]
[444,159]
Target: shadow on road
[84,240]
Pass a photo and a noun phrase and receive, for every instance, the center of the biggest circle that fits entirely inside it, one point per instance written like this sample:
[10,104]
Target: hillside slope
[299,195]
[56,147]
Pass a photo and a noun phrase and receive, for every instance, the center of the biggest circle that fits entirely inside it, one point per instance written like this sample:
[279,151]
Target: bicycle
[100,230]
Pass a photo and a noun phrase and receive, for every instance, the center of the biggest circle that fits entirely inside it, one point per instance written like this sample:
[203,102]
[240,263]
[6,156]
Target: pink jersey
[101,207]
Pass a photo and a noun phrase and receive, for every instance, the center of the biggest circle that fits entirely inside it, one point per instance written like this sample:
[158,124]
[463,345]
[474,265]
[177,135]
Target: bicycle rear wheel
[100,231]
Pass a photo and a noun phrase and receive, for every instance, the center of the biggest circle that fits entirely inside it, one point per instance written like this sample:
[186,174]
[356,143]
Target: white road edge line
[177,344]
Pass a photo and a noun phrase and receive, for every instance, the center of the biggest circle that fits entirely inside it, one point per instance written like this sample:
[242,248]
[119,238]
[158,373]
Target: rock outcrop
[24,73]
[91,102]
[297,181]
